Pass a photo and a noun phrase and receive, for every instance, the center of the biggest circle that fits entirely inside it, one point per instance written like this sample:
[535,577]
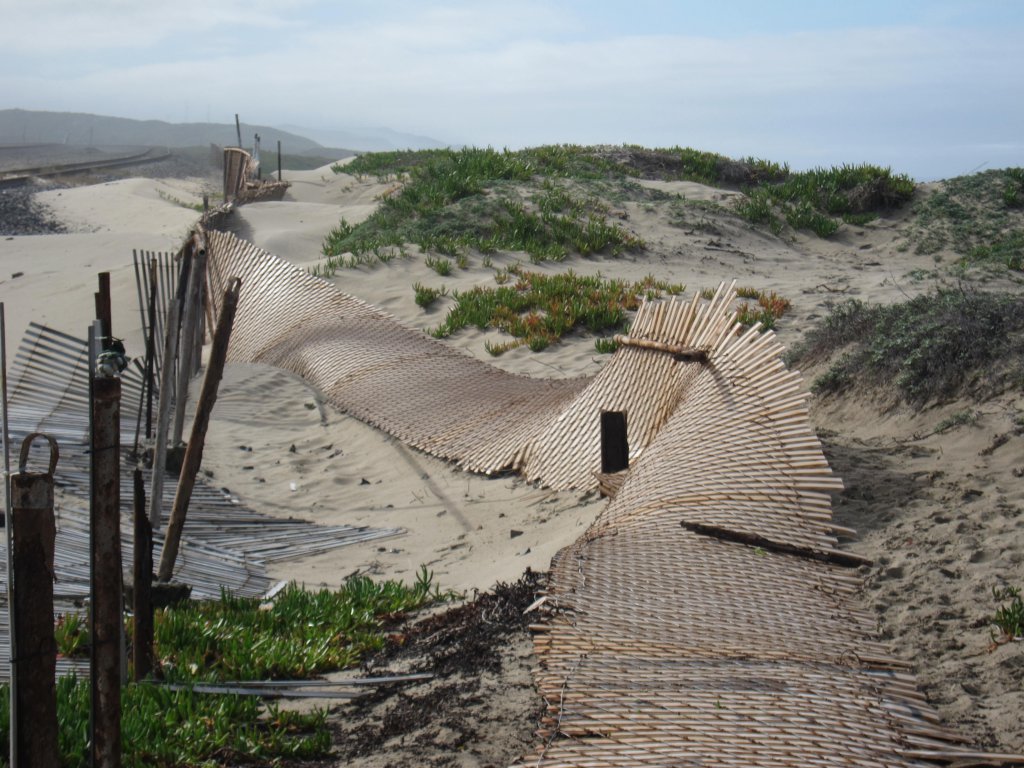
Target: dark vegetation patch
[979,217]
[20,214]
[481,702]
[937,346]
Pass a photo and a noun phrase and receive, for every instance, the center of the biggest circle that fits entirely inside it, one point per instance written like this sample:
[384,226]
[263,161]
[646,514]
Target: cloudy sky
[931,87]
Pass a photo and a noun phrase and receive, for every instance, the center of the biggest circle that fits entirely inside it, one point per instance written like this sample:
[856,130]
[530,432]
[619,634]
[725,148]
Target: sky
[932,88]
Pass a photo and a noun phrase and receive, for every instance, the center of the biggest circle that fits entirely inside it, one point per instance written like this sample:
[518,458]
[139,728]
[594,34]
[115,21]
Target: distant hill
[367,139]
[21,126]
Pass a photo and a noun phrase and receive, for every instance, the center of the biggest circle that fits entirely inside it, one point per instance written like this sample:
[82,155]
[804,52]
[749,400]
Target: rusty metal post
[142,573]
[34,535]
[5,438]
[194,452]
[105,552]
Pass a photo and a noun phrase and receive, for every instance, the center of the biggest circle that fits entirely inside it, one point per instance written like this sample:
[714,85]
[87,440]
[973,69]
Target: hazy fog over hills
[19,126]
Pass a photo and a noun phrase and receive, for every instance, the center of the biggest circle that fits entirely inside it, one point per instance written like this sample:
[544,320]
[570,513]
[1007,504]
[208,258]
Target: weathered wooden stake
[103,308]
[151,348]
[105,594]
[187,340]
[142,575]
[156,488]
[194,452]
[34,533]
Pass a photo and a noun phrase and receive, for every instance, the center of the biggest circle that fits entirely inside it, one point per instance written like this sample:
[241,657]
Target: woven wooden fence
[707,618]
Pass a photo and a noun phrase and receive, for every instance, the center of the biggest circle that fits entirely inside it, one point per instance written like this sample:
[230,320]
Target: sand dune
[939,513]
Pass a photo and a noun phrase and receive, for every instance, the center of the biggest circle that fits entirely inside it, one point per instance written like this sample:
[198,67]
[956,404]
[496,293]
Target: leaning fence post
[194,451]
[105,551]
[156,489]
[34,533]
[186,339]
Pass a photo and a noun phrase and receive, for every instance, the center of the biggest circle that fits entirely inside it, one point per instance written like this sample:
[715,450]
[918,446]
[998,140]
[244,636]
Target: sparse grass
[959,419]
[769,308]
[167,196]
[443,267]
[946,343]
[1009,617]
[605,346]
[538,310]
[425,296]
[300,635]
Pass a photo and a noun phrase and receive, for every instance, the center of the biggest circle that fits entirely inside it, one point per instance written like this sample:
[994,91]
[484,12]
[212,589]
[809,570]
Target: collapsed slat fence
[705,618]
[226,545]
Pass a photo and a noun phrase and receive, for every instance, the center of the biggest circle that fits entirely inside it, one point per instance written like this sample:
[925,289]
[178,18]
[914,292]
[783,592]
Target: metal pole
[279,177]
[34,535]
[238,130]
[105,558]
[194,451]
[11,622]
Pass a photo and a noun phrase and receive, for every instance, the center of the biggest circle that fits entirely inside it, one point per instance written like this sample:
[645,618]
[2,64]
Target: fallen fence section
[704,619]
[226,545]
[707,618]
[422,391]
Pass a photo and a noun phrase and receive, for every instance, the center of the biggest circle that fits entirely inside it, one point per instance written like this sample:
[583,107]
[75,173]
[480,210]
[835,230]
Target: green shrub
[812,200]
[934,346]
[425,297]
[978,217]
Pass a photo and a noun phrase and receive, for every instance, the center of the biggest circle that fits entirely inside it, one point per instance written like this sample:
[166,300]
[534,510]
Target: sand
[940,514]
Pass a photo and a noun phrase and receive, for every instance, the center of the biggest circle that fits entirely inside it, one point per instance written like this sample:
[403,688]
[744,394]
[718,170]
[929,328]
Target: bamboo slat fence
[708,617]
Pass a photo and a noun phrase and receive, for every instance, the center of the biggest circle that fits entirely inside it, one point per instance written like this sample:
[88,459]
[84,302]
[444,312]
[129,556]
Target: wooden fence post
[103,313]
[34,533]
[194,451]
[187,337]
[142,592]
[105,551]
[156,488]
